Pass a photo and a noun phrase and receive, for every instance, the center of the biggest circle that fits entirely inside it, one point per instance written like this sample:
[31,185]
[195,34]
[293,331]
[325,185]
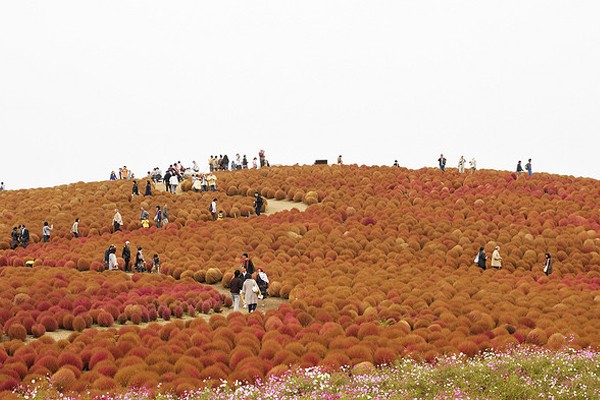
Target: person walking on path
[213,209]
[117,220]
[148,191]
[235,287]
[528,167]
[496,259]
[442,162]
[126,255]
[75,228]
[250,291]
[134,190]
[258,203]
[46,231]
[481,258]
[548,264]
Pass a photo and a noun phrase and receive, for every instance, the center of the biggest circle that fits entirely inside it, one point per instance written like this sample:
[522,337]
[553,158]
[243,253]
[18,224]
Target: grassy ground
[521,373]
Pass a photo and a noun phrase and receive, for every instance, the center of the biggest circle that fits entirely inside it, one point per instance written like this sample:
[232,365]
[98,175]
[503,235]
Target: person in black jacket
[126,255]
[235,287]
[247,264]
[258,203]
[24,236]
[548,264]
[481,258]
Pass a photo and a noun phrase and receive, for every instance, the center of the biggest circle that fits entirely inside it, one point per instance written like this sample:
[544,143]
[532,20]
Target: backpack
[476,260]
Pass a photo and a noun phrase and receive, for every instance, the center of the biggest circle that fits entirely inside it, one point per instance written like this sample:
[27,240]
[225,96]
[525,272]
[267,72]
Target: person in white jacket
[250,291]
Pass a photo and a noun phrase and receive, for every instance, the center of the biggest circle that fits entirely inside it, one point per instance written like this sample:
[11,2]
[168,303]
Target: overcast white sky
[89,86]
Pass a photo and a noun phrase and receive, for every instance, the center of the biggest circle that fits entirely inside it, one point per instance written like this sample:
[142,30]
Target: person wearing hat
[496,259]
[126,255]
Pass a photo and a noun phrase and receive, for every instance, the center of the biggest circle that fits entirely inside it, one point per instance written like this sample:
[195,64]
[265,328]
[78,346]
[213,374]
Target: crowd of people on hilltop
[473,165]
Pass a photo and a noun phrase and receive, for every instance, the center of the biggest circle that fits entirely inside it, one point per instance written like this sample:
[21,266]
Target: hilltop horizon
[204,169]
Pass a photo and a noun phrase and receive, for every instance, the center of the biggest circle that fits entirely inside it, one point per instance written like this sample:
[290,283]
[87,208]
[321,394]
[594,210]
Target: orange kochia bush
[381,267]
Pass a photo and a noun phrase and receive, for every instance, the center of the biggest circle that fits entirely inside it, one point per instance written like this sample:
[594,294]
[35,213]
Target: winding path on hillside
[270,303]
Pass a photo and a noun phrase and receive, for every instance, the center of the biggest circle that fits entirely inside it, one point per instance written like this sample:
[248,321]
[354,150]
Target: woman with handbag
[250,291]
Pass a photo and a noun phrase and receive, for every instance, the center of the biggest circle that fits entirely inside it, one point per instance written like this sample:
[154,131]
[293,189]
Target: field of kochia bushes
[379,266]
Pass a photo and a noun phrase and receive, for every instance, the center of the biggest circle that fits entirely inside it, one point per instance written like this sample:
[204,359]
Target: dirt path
[270,303]
[273,206]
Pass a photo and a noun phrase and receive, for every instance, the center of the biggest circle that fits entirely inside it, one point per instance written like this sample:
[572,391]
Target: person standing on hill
[112,259]
[235,287]
[174,181]
[481,258]
[496,259]
[247,264]
[166,179]
[24,236]
[134,190]
[148,191]
[442,162]
[211,179]
[158,217]
[46,231]
[244,162]
[213,209]
[117,220]
[258,203]
[473,164]
[548,264]
[339,160]
[250,290]
[14,238]
[75,228]
[165,215]
[126,255]
[263,282]
[528,167]
[461,164]
[140,263]
[261,156]
[519,168]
